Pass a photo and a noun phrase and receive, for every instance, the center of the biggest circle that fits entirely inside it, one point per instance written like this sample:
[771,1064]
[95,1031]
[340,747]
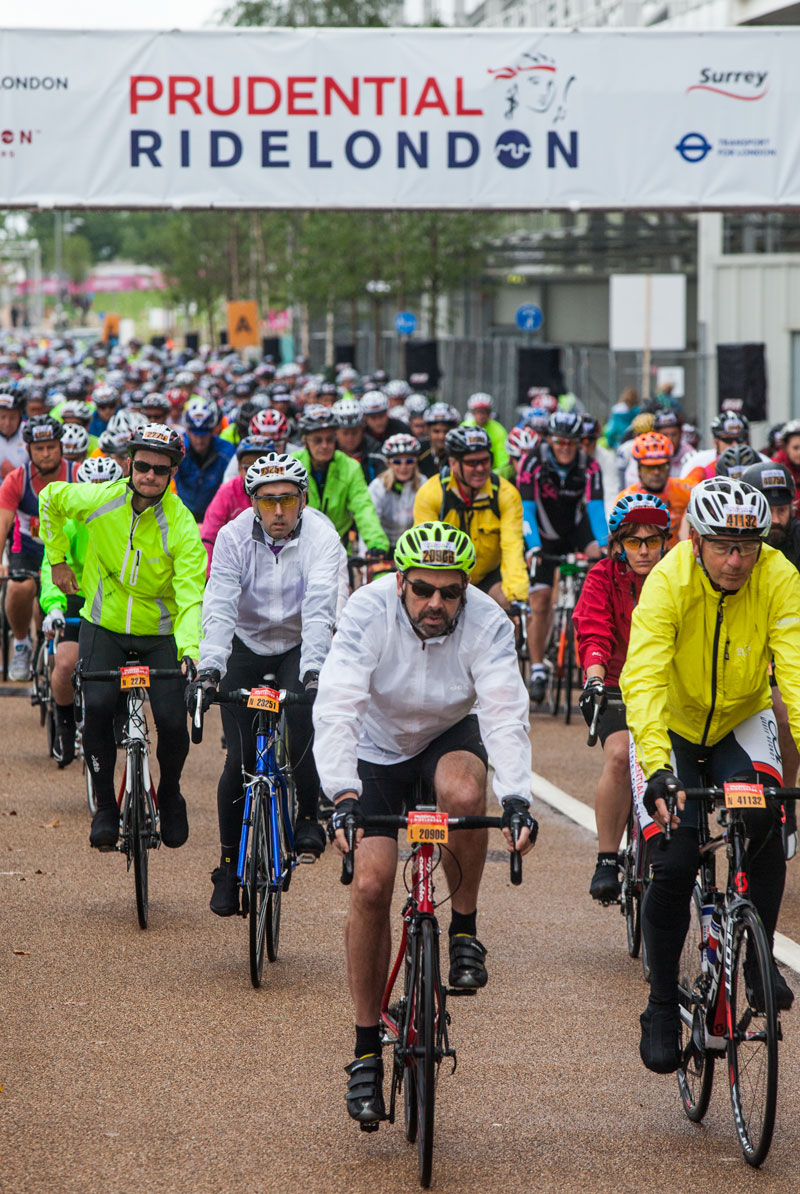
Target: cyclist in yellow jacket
[486,507]
[711,617]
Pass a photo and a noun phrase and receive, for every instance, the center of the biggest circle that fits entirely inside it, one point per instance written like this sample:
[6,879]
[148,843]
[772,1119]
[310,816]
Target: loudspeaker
[223,337]
[538,367]
[192,341]
[344,354]
[422,356]
[271,347]
[158,341]
[742,379]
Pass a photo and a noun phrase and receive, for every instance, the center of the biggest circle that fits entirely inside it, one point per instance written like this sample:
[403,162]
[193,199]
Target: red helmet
[176,397]
[652,448]
[271,423]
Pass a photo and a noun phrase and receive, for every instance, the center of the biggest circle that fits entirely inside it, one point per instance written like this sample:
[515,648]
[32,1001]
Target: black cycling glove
[311,681]
[350,807]
[206,682]
[660,786]
[588,698]
[514,807]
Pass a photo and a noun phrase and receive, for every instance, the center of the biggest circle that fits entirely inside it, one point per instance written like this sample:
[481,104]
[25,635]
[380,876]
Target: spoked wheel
[41,687]
[555,670]
[696,1072]
[50,727]
[258,887]
[568,644]
[753,1045]
[410,1107]
[631,897]
[273,917]
[425,1072]
[140,840]
[282,759]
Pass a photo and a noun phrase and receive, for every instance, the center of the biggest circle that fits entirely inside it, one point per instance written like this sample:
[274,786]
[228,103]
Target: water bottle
[706,913]
[712,945]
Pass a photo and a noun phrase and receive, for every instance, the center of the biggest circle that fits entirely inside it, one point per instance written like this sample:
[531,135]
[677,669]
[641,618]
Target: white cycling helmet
[348,412]
[480,401]
[129,420]
[114,443]
[401,444]
[397,388]
[723,506]
[73,409]
[99,468]
[75,440]
[275,466]
[374,402]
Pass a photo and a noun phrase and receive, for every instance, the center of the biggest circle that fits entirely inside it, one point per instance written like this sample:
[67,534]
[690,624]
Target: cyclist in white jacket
[393,491]
[412,655]
[269,608]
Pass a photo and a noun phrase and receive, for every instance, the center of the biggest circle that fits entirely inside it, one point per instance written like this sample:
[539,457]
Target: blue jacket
[198,480]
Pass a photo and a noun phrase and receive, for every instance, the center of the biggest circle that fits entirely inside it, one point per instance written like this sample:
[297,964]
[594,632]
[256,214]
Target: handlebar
[240,696]
[156,673]
[400,822]
[712,798]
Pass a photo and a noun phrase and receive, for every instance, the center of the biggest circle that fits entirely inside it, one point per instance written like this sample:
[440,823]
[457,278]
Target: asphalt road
[144,1061]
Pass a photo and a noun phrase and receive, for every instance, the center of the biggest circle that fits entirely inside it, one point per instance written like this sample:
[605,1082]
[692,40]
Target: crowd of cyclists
[361,540]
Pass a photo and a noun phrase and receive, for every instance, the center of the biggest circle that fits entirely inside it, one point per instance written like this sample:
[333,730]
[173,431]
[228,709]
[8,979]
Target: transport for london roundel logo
[512,149]
[693,147]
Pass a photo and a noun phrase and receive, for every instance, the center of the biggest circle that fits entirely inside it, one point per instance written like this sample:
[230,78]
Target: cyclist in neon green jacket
[336,483]
[143,581]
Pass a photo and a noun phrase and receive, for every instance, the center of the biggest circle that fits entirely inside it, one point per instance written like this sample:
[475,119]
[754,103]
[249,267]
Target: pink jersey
[229,500]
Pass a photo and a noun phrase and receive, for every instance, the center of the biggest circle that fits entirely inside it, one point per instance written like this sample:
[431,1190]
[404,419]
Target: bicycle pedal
[373,1127]
[306,859]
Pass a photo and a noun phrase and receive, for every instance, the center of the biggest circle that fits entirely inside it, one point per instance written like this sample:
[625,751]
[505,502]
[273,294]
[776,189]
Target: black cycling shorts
[388,789]
[546,569]
[25,561]
[612,719]
[491,579]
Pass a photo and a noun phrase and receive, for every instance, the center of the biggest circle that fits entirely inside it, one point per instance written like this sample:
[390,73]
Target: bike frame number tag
[427,827]
[264,698]
[134,677]
[740,795]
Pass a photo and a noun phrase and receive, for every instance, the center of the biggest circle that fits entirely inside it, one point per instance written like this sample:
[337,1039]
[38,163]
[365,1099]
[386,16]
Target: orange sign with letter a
[110,327]
[243,330]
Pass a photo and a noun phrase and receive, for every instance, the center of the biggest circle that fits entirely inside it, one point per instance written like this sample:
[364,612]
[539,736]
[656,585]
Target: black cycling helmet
[775,481]
[590,427]
[735,459]
[10,397]
[728,422]
[158,438]
[666,418]
[40,428]
[466,441]
[566,424]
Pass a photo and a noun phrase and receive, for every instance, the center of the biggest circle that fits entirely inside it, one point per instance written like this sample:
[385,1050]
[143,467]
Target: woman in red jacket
[639,528]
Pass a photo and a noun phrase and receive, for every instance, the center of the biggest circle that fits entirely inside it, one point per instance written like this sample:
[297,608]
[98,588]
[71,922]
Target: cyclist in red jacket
[639,527]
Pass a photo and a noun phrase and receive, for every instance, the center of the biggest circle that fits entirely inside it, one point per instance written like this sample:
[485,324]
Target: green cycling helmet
[434,545]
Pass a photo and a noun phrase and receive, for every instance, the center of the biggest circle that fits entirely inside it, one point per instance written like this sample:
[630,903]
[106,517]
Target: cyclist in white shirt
[13,450]
[269,608]
[413,653]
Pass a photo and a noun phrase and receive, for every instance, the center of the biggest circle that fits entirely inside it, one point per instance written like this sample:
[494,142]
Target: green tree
[313,12]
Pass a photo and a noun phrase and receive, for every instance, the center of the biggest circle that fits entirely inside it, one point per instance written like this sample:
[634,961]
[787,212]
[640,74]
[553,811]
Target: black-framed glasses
[158,470]
[421,588]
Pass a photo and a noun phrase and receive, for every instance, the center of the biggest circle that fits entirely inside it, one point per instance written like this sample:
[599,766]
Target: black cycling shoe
[309,837]
[364,1095]
[784,995]
[537,688]
[174,822]
[467,969]
[605,885]
[659,1047]
[225,898]
[105,827]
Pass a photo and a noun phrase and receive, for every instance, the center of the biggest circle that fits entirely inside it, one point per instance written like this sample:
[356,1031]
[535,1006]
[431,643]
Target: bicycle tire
[5,632]
[425,1071]
[696,1077]
[752,1056]
[553,669]
[140,835]
[257,886]
[273,913]
[410,1106]
[282,759]
[643,883]
[569,668]
[631,898]
[50,728]
[41,683]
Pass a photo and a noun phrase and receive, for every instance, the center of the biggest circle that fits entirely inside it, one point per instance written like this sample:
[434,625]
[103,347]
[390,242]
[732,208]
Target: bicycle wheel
[425,1072]
[50,727]
[696,1073]
[569,666]
[140,838]
[41,687]
[554,666]
[282,759]
[631,898]
[410,1104]
[258,885]
[753,1045]
[5,631]
[273,913]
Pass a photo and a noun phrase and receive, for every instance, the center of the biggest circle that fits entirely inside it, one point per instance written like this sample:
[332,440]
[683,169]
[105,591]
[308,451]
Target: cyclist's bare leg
[541,603]
[368,935]
[612,798]
[19,607]
[789,754]
[460,783]
[66,658]
[497,594]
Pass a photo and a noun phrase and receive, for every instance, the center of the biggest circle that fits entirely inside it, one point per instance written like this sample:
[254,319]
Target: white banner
[400,118]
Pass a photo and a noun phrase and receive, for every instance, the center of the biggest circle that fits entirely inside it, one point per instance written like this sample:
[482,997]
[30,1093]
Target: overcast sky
[144,14]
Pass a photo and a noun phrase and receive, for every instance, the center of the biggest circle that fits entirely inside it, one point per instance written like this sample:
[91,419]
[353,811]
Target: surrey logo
[748,85]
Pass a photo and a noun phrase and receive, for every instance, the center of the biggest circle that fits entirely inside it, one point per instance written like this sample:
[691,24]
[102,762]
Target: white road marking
[785,950]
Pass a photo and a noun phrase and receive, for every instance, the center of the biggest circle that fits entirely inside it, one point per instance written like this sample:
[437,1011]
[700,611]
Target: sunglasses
[558,441]
[421,588]
[286,501]
[403,459]
[158,470]
[484,462]
[635,542]
[745,550]
[105,405]
[731,439]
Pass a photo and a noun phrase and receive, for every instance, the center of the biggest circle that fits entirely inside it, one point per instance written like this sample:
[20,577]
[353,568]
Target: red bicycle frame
[419,903]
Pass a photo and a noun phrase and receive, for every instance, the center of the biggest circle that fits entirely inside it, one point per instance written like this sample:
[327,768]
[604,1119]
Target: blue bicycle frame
[267,769]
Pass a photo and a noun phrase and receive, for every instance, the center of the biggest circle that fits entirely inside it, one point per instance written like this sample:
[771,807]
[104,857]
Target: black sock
[65,716]
[607,856]
[368,1039]
[227,857]
[464,922]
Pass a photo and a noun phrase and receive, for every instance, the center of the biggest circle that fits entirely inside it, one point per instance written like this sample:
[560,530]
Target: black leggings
[247,670]
[99,650]
[667,904]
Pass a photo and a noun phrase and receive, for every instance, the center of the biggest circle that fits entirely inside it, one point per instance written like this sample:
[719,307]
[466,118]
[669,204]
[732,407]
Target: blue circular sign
[405,324]
[529,318]
[693,147]
[512,149]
